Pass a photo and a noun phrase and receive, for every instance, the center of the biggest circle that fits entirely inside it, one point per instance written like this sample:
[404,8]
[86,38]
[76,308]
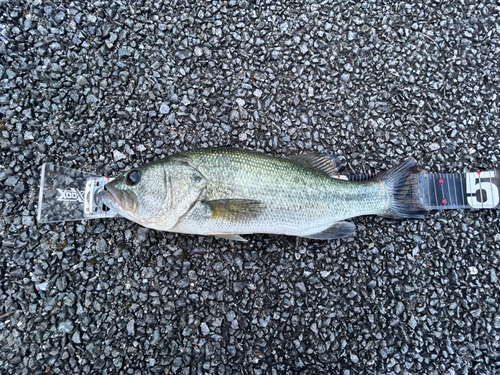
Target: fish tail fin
[403,182]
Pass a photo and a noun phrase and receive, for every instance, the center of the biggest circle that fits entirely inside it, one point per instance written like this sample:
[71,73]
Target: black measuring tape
[450,191]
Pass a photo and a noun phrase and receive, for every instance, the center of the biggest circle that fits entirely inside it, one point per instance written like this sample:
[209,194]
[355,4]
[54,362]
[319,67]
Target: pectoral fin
[339,229]
[235,210]
[228,236]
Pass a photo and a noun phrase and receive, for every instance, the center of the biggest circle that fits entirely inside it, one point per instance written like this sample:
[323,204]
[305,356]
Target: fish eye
[132,178]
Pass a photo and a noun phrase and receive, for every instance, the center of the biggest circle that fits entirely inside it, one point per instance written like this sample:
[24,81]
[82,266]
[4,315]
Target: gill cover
[185,186]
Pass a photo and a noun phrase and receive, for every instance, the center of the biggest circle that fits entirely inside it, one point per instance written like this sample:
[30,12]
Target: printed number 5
[481,192]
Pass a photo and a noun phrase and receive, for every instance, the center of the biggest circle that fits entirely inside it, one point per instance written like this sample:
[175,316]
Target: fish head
[155,195]
[138,195]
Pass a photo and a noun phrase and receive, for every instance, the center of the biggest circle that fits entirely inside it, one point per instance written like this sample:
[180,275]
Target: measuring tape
[444,191]
[451,191]
[69,194]
[437,191]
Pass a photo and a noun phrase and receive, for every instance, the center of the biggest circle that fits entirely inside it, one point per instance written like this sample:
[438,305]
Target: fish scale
[298,200]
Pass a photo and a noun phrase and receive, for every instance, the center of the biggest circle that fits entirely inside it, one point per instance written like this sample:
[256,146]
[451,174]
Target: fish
[230,192]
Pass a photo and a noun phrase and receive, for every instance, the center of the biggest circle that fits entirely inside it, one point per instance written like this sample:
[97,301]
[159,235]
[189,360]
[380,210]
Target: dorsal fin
[325,163]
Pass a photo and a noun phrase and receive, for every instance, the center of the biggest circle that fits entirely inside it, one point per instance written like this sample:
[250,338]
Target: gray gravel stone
[11,181]
[183,54]
[131,327]
[42,286]
[164,109]
[434,146]
[198,51]
[102,246]
[493,276]
[412,322]
[28,136]
[354,358]
[117,155]
[91,99]
[19,188]
[76,338]
[124,52]
[497,322]
[28,24]
[6,174]
[59,17]
[257,93]
[205,330]
[28,220]
[142,234]
[82,81]
[400,308]
[65,326]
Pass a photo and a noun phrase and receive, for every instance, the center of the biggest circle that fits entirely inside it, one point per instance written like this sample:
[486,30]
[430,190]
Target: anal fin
[228,236]
[339,229]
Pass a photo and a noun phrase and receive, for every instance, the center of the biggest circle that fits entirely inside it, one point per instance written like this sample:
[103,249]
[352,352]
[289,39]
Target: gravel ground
[104,86]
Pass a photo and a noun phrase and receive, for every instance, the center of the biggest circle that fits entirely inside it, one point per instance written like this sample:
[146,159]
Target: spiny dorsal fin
[325,163]
[235,210]
[340,229]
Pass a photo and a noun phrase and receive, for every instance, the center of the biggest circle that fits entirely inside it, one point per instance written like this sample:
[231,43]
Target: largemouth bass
[226,192]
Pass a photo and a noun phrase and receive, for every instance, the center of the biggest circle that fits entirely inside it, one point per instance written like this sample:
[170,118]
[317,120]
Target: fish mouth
[119,200]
